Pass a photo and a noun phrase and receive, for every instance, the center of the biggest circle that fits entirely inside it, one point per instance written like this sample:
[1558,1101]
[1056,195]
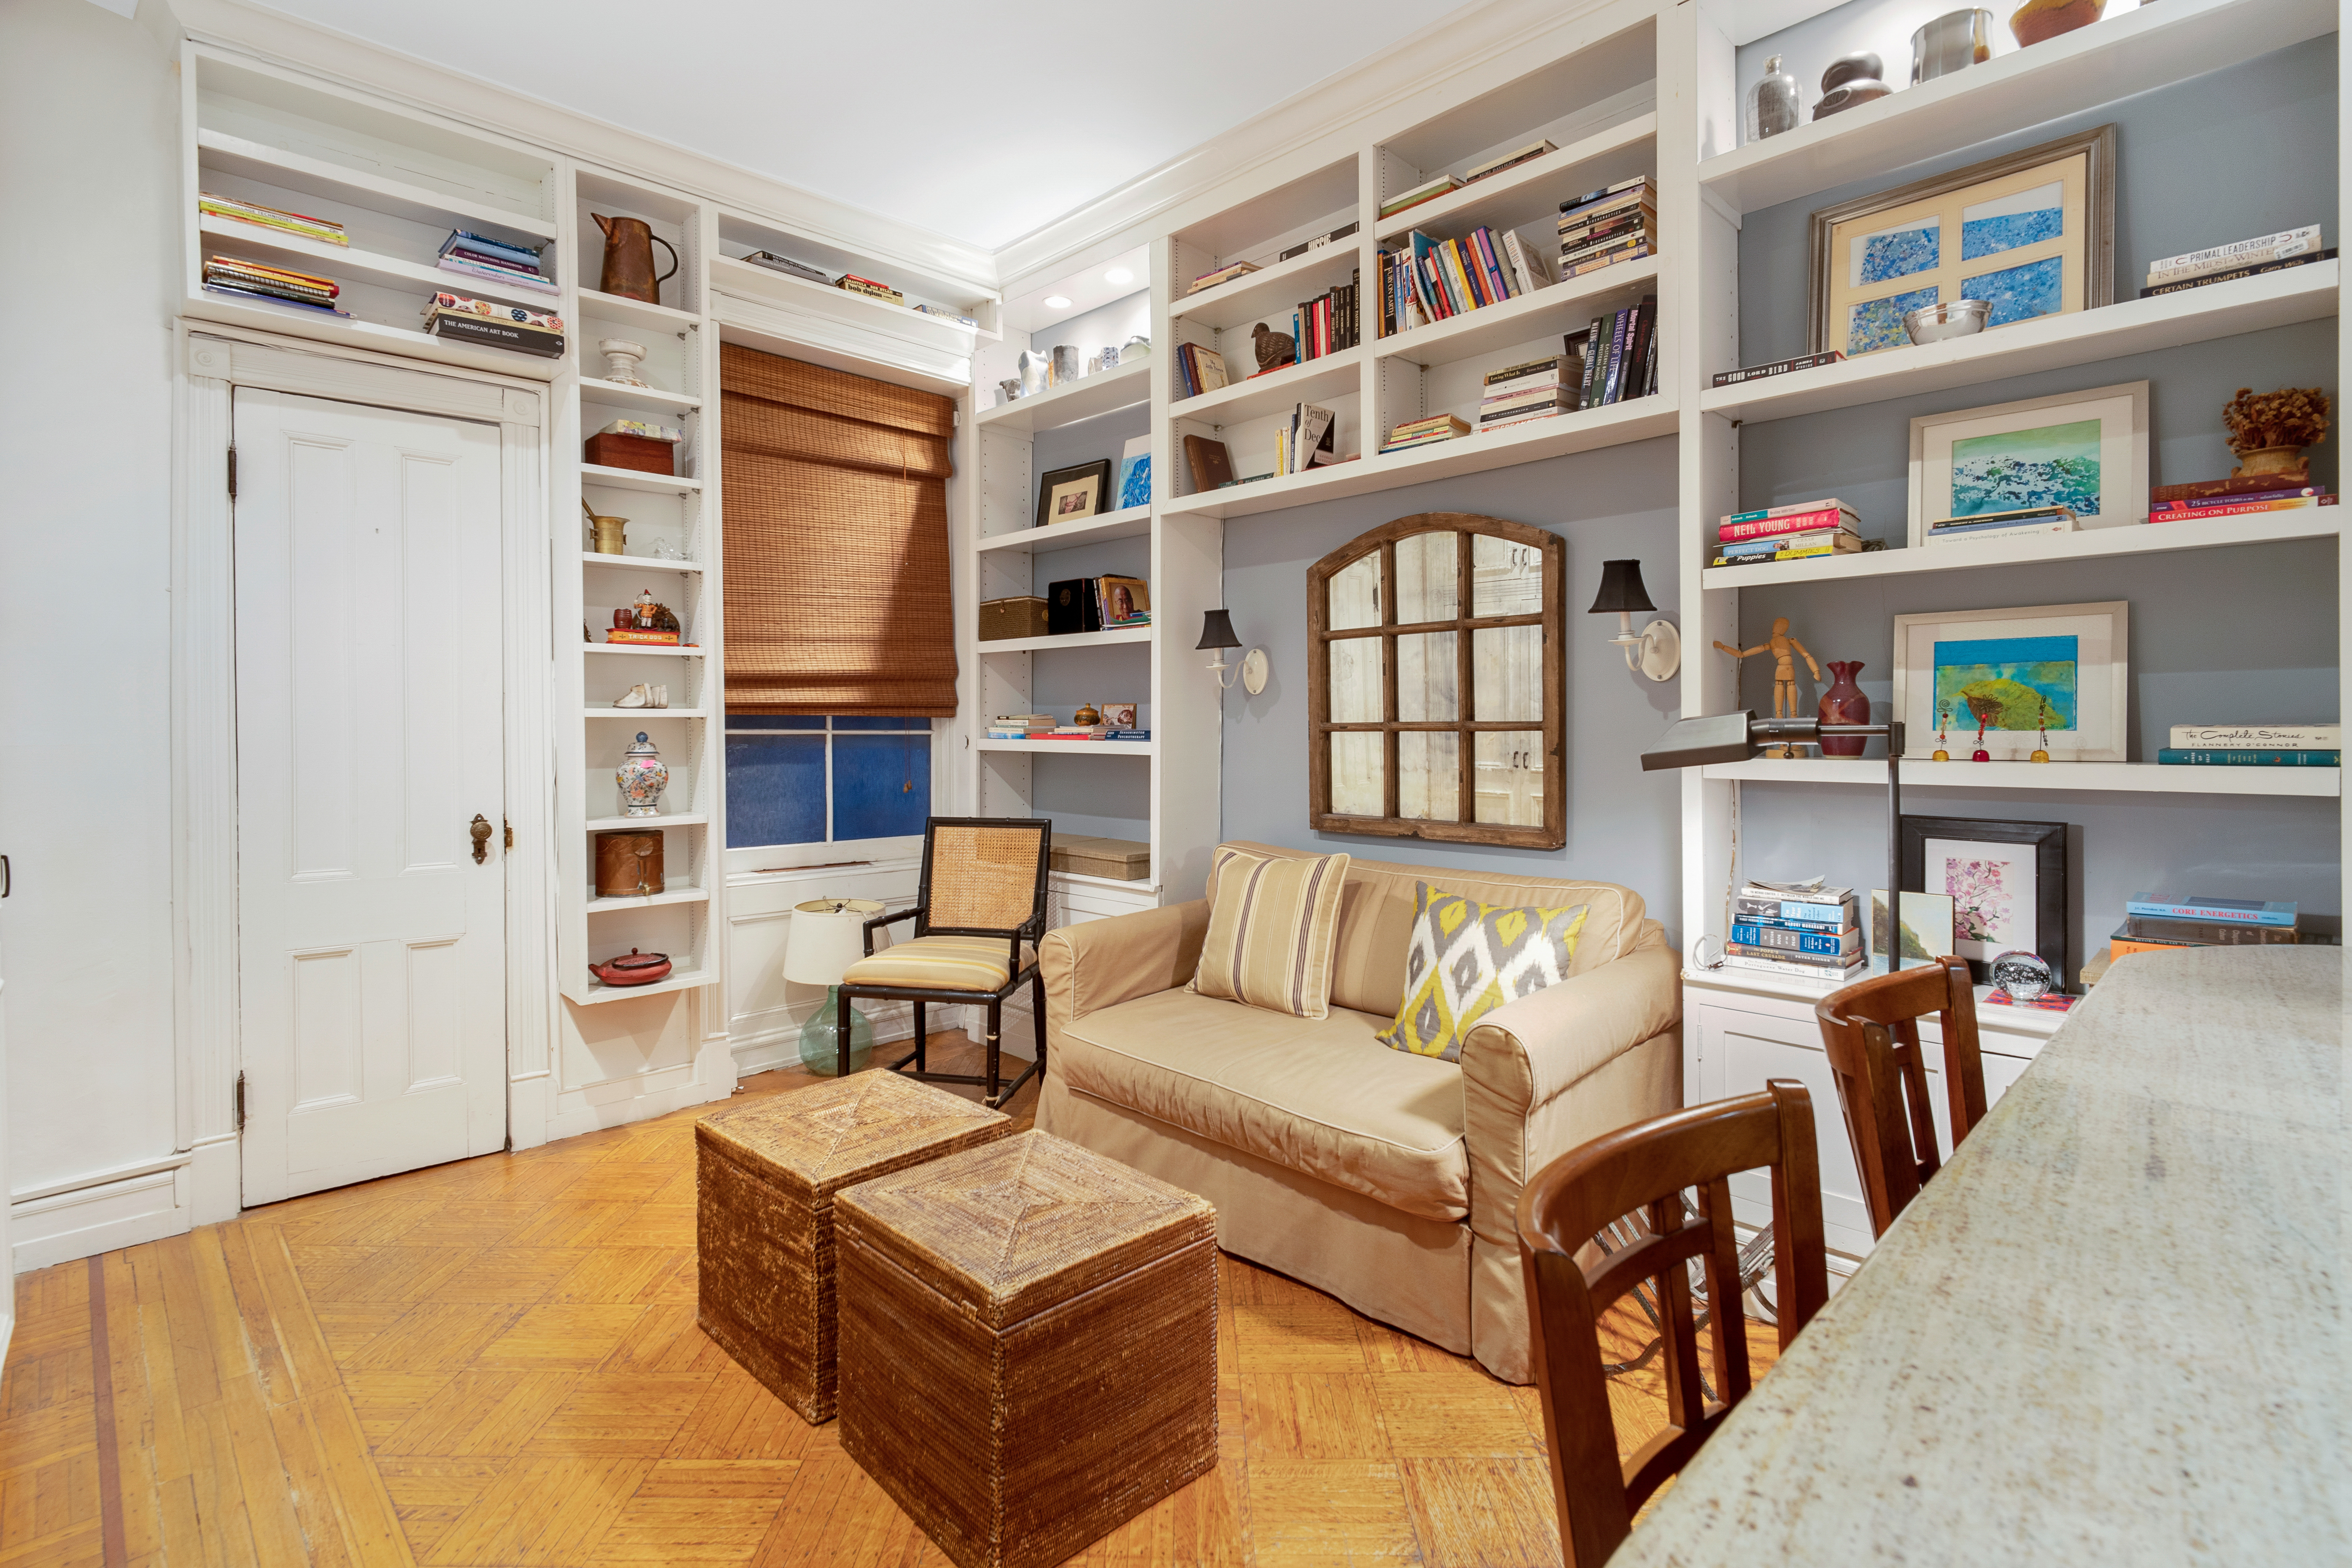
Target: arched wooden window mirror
[1436,698]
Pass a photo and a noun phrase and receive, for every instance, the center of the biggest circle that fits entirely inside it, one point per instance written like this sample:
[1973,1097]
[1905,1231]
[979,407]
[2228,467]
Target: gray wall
[1623,825]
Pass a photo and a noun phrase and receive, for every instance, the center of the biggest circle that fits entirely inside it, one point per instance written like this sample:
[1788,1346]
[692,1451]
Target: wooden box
[765,1176]
[1122,859]
[642,453]
[628,864]
[1021,617]
[1028,1345]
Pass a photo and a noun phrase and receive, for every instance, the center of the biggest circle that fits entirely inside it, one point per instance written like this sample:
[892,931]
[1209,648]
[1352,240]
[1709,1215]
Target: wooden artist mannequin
[1781,647]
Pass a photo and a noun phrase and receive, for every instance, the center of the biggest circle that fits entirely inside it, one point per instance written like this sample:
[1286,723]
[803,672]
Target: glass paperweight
[2024,976]
[1771,102]
[821,1048]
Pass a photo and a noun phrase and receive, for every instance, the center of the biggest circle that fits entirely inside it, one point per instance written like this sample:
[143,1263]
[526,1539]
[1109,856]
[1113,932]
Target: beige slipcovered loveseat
[1389,1180]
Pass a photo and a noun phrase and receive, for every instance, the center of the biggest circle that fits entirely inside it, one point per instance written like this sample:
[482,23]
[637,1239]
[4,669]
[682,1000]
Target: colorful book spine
[1840,914]
[531,283]
[459,304]
[2244,498]
[2257,270]
[1794,968]
[2242,911]
[1777,368]
[1820,944]
[2243,509]
[235,291]
[2268,247]
[1730,531]
[2184,756]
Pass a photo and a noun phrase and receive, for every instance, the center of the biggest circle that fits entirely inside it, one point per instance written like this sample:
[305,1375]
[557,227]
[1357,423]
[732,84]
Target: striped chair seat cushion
[939,964]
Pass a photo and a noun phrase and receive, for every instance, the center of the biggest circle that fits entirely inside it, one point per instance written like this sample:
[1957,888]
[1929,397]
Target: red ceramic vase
[1843,703]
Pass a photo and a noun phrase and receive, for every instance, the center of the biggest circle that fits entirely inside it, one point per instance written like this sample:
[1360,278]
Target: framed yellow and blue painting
[2032,233]
[2054,678]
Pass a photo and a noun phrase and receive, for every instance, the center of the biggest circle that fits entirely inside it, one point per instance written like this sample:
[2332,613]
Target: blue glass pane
[1877,325]
[771,721]
[775,790]
[881,785]
[2021,293]
[1899,252]
[879,721]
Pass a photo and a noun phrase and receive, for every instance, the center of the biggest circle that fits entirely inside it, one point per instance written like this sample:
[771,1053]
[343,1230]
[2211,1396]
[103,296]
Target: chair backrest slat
[1646,1168]
[1870,1031]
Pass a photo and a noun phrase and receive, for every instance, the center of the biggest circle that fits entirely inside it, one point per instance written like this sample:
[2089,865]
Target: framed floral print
[2032,232]
[2006,881]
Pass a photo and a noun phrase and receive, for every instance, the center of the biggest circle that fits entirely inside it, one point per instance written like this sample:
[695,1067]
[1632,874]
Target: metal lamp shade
[1620,589]
[828,935]
[1217,630]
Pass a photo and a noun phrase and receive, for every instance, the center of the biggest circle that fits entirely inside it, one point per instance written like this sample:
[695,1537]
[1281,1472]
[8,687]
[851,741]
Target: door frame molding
[211,361]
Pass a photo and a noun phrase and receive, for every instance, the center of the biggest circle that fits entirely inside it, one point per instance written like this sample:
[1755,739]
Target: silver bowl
[1934,323]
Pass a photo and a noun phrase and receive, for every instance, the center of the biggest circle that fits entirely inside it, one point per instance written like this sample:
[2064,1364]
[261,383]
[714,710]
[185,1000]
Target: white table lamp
[827,936]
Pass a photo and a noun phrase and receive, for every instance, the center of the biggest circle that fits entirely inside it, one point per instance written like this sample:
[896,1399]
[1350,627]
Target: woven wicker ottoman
[765,1176]
[1028,1345]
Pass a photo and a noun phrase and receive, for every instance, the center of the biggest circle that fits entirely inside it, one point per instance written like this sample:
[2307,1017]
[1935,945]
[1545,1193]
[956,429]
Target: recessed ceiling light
[1118,276]
[1057,302]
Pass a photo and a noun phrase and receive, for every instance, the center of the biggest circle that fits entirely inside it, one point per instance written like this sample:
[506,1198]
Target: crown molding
[384,73]
[1489,42]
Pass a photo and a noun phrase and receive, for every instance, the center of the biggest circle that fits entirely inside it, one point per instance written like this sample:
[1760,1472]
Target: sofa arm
[1104,962]
[1522,1055]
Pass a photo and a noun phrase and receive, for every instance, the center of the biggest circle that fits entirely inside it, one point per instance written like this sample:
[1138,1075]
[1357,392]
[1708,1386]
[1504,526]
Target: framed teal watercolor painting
[2032,232]
[2086,451]
[2048,677]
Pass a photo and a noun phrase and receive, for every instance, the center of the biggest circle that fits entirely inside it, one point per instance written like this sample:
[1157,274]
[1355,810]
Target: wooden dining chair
[1871,1030]
[1645,1167]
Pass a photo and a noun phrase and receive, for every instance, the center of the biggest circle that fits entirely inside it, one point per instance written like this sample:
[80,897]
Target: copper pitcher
[629,259]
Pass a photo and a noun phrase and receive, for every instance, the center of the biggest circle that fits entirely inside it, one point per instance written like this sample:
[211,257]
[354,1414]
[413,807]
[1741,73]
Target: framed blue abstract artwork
[2031,233]
[2086,451]
[2054,676]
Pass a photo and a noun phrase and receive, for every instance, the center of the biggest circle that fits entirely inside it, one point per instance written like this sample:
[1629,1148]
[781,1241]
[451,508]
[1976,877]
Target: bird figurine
[1274,348]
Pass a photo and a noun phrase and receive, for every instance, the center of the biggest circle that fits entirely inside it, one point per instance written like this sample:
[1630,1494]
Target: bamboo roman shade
[837,501]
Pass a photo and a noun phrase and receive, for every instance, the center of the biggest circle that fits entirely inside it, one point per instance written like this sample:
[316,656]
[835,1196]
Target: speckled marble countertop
[2112,1331]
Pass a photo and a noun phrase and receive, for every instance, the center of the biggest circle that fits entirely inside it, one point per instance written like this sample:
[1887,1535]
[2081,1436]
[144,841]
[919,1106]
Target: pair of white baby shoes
[644,695]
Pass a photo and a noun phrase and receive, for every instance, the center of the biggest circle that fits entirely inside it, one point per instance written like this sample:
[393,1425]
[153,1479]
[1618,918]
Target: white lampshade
[828,935]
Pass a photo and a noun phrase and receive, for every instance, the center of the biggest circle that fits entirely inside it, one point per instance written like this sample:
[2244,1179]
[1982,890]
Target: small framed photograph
[2006,881]
[1126,600]
[1118,715]
[2032,232]
[1066,495]
[2085,450]
[2048,678]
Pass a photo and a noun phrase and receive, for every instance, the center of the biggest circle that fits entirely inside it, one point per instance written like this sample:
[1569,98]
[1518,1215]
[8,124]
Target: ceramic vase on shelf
[1843,703]
[1036,372]
[621,361]
[1066,365]
[642,776]
[1772,104]
[2038,21]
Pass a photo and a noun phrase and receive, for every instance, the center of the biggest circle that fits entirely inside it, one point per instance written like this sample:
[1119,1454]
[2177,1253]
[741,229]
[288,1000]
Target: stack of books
[1428,190]
[511,265]
[1425,432]
[324,230]
[1511,160]
[1534,390]
[850,282]
[1328,324]
[1803,930]
[2239,258]
[2254,746]
[788,267]
[1306,440]
[1198,370]
[1796,532]
[1619,355]
[453,318]
[1225,274]
[244,280]
[2233,497]
[1042,727]
[1616,222]
[2002,524]
[1433,280]
[2153,922]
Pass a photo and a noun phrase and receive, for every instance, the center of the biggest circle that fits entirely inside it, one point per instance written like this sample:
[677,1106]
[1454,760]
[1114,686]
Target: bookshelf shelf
[348,263]
[1536,188]
[1260,295]
[606,307]
[644,713]
[2141,49]
[613,395]
[1110,638]
[1121,387]
[1088,748]
[589,993]
[597,476]
[638,563]
[354,333]
[1563,307]
[1131,524]
[1639,420]
[605,906]
[1333,375]
[656,649]
[751,280]
[2053,343]
[666,819]
[2100,543]
[318,178]
[2141,777]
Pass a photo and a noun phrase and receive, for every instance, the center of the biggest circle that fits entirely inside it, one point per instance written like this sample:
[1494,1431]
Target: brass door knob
[482,832]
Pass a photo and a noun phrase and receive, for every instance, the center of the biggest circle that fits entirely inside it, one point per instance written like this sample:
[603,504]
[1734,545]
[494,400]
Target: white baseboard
[78,1223]
[764,1051]
[216,1180]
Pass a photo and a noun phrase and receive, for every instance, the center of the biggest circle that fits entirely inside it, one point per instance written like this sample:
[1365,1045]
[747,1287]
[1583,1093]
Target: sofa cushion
[1322,1097]
[1465,959]
[1375,914]
[1272,919]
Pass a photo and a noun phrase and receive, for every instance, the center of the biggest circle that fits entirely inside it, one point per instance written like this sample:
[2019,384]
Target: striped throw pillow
[1272,922]
[1466,959]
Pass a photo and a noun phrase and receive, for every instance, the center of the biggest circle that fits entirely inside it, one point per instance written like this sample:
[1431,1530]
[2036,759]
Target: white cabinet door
[371,962]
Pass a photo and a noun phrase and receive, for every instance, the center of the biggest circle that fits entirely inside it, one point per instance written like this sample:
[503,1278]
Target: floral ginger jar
[642,776]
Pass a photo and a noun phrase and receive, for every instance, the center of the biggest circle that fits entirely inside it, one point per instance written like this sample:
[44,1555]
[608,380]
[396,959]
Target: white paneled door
[372,968]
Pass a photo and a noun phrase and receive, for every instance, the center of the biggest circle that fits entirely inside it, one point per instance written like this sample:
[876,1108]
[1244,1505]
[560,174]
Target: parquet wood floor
[496,1363]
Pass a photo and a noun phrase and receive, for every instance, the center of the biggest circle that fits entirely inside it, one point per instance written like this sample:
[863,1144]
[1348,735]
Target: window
[1435,690]
[795,780]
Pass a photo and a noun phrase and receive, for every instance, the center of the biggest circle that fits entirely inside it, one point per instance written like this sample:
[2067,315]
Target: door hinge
[240,1102]
[232,473]
[510,827]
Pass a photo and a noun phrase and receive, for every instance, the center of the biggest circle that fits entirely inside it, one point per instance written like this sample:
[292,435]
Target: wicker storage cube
[1126,859]
[765,1176]
[1017,617]
[1028,1345]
